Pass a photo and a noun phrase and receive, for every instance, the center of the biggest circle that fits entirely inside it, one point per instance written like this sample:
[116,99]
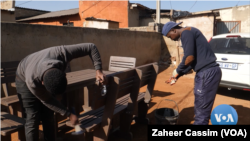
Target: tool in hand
[78,129]
[104,88]
[173,78]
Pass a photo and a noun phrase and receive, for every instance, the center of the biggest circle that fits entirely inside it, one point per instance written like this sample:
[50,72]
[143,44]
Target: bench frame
[11,124]
[119,63]
[8,75]
[123,103]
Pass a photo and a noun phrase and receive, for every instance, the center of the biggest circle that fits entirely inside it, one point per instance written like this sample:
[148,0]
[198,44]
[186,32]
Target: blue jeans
[206,85]
[34,112]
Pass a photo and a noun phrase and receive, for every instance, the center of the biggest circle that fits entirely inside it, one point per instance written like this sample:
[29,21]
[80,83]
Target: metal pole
[158,11]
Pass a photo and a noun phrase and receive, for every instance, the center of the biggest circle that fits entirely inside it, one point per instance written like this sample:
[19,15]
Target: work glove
[173,78]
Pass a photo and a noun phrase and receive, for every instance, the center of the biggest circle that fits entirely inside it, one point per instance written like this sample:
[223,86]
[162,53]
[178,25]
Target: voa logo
[224,115]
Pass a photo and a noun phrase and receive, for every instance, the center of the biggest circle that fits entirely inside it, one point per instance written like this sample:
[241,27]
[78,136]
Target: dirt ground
[182,94]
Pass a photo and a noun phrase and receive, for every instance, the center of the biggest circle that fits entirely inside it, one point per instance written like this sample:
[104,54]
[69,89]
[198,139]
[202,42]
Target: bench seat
[91,119]
[7,101]
[11,124]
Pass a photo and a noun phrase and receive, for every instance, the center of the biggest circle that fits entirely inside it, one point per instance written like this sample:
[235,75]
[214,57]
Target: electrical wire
[190,9]
[237,3]
[24,2]
[103,8]
[171,4]
[192,6]
[90,6]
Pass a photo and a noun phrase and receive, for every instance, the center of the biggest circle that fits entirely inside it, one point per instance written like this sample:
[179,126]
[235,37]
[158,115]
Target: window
[231,45]
[68,24]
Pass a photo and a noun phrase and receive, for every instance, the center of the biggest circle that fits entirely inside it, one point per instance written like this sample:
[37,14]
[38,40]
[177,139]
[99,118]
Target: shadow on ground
[163,68]
[243,114]
[157,93]
[186,116]
[239,94]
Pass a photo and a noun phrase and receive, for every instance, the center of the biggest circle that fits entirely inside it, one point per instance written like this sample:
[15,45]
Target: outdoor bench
[122,98]
[11,124]
[10,100]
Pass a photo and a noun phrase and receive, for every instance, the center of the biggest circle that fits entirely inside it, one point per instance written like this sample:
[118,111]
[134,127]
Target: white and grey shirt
[32,67]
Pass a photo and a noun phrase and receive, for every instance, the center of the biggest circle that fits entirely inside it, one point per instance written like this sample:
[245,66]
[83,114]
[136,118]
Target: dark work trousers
[34,112]
[206,85]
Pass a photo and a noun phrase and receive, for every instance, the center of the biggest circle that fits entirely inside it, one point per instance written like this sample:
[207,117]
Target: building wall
[204,23]
[113,25]
[110,10]
[7,4]
[240,13]
[146,20]
[58,21]
[25,13]
[144,46]
[226,14]
[133,17]
[169,49]
[7,16]
[96,24]
[141,28]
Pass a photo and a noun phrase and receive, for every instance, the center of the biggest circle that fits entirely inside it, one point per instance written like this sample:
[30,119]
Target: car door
[233,55]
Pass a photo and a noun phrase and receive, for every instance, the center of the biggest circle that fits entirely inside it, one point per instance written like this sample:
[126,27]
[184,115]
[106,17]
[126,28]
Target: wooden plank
[84,72]
[122,63]
[8,75]
[91,121]
[128,66]
[118,63]
[98,112]
[122,59]
[151,84]
[5,90]
[7,101]
[233,27]
[80,78]
[146,68]
[10,123]
[15,118]
[90,125]
[126,75]
[144,105]
[127,116]
[142,66]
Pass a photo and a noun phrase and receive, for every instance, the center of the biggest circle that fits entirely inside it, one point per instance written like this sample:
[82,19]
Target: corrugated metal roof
[225,27]
[139,5]
[31,9]
[98,19]
[53,14]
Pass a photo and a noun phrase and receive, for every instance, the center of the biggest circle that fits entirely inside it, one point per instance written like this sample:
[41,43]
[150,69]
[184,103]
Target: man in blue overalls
[198,56]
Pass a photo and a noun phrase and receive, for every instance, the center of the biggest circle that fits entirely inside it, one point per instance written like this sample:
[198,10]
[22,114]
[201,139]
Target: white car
[233,54]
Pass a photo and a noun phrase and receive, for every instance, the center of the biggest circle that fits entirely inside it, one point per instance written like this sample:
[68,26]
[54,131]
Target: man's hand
[73,119]
[100,77]
[173,78]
